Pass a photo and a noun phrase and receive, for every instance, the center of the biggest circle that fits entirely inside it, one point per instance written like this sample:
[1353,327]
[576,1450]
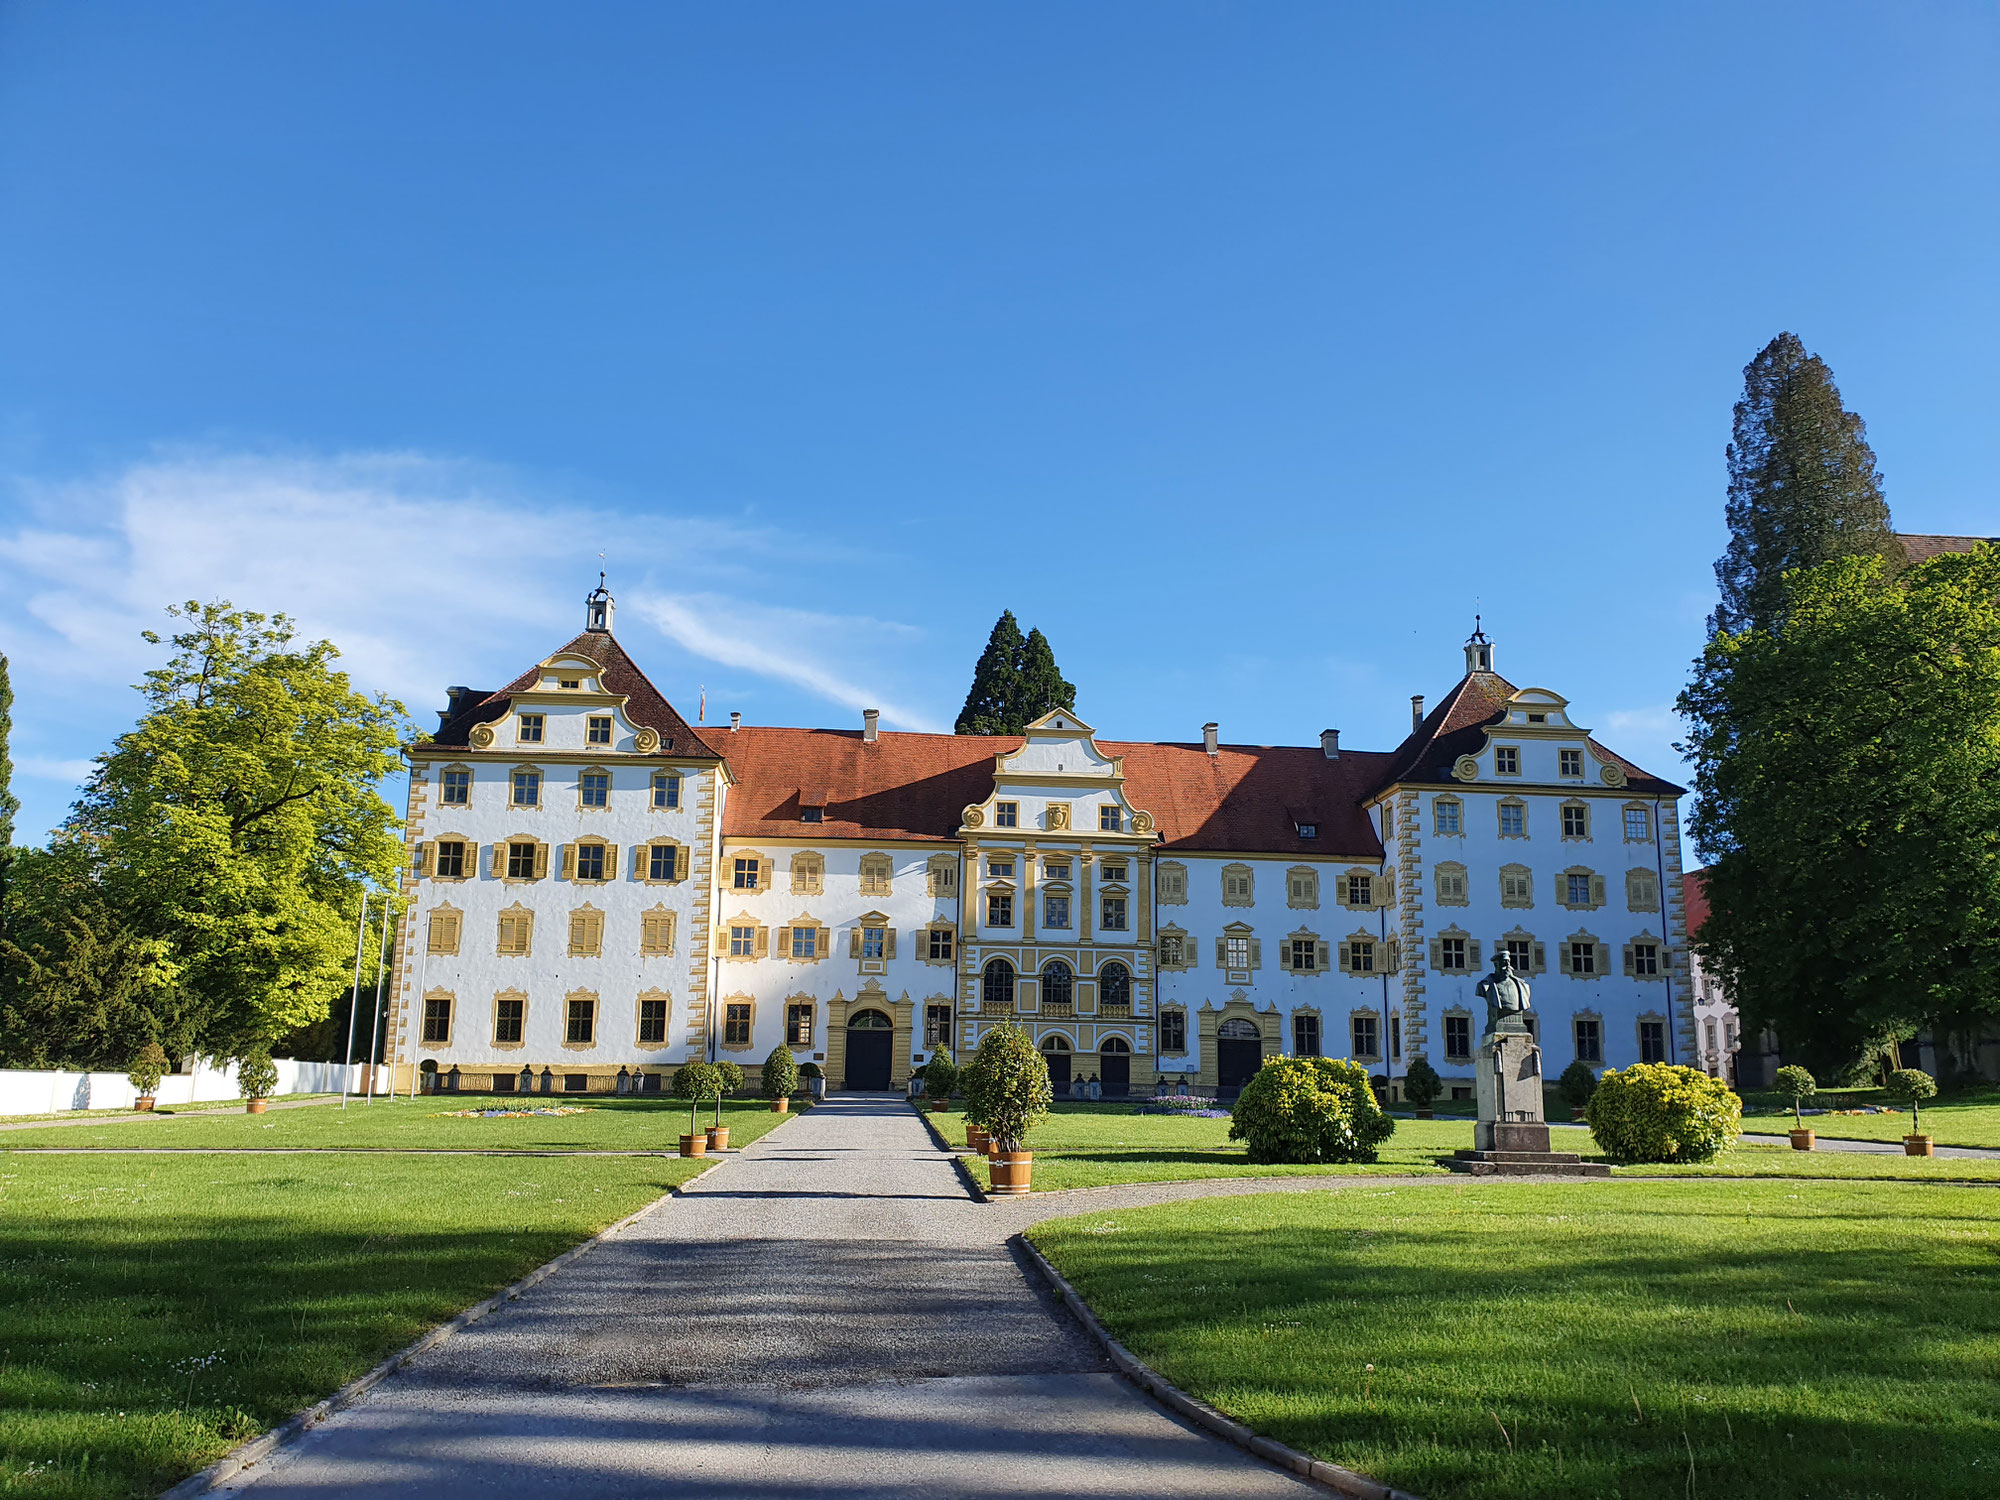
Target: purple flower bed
[1192,1105]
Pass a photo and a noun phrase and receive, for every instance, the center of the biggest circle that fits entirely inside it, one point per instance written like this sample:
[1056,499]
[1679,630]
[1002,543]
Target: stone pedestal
[1511,1137]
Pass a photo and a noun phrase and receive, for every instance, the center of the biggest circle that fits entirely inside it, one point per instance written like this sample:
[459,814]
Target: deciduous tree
[1848,770]
[240,819]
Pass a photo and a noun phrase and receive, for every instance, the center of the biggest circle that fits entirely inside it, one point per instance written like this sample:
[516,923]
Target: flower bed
[512,1114]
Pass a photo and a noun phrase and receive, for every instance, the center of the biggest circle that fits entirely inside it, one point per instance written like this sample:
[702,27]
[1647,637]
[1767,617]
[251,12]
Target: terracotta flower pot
[780,1106]
[1009,1172]
[144,1102]
[255,1106]
[1802,1140]
[694,1145]
[1917,1145]
[718,1137]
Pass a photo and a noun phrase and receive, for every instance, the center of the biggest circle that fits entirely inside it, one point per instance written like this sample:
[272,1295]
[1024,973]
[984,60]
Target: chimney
[1329,743]
[735,722]
[1416,712]
[871,721]
[1208,737]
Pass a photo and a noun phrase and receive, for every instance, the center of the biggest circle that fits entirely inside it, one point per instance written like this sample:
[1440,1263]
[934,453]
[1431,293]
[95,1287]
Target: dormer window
[597,729]
[812,815]
[569,682]
[1308,830]
[531,729]
[1538,718]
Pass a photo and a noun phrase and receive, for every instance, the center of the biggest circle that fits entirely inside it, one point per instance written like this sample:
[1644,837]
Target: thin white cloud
[1657,720]
[423,571]
[773,643]
[44,769]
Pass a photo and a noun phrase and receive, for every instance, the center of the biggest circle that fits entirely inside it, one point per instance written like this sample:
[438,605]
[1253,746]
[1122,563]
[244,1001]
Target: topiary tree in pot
[1309,1109]
[257,1076]
[1662,1112]
[148,1068]
[729,1083]
[695,1082]
[1577,1084]
[781,1078]
[1797,1085]
[810,1074]
[1421,1085]
[972,1093]
[1014,1096]
[1911,1086]
[940,1078]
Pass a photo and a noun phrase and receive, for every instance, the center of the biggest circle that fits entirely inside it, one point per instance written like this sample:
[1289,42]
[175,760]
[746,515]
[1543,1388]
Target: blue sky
[1246,350]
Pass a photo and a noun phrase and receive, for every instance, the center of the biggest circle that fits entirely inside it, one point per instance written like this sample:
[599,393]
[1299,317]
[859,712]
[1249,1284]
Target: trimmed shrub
[1309,1109]
[940,1075]
[1662,1112]
[781,1074]
[148,1068]
[732,1076]
[1797,1085]
[696,1081]
[1910,1086]
[257,1075]
[811,1070]
[1014,1091]
[1421,1084]
[1577,1084]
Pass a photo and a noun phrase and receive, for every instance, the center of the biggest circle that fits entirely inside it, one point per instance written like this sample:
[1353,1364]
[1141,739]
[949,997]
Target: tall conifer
[1042,686]
[1803,487]
[989,705]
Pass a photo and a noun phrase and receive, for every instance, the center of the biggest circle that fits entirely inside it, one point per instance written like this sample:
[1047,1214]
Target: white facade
[1149,912]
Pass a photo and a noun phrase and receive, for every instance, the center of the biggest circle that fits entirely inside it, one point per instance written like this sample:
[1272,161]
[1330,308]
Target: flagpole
[354,996]
[375,1010]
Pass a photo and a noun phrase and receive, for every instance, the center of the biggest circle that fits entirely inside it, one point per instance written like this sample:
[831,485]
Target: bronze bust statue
[1504,991]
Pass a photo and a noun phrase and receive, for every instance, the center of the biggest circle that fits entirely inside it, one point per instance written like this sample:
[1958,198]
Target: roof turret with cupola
[1481,703]
[594,655]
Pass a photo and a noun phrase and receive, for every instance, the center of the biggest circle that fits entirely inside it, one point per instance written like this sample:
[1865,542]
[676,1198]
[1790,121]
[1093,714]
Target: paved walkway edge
[1332,1476]
[965,1175]
[288,1432]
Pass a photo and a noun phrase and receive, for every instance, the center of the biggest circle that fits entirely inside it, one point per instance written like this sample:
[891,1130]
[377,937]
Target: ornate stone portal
[1512,1134]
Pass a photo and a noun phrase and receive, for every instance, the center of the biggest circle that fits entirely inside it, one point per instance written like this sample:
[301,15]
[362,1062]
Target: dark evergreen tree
[990,705]
[1803,487]
[1041,685]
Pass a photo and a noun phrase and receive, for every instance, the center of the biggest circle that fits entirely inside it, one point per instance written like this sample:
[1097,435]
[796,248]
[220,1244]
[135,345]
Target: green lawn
[608,1123]
[155,1310]
[1762,1340]
[198,1107]
[1966,1119]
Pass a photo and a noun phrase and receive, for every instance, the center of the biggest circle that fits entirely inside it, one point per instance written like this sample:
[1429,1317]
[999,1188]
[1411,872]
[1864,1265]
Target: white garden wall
[24,1092]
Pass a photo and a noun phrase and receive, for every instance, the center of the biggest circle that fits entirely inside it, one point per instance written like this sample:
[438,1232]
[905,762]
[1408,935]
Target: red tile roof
[1457,726]
[1694,891]
[1919,547]
[645,704]
[1247,798]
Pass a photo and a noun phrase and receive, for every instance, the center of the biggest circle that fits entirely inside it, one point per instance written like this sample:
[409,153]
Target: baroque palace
[599,890]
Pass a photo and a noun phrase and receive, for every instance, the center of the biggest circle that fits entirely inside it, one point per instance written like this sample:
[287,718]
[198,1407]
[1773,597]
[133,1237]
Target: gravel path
[1873,1148]
[827,1313]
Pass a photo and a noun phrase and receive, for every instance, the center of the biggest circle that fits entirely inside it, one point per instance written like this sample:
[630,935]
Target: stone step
[1469,1155]
[1531,1168]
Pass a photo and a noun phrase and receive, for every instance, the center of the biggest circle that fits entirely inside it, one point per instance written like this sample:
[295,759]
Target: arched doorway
[871,1038]
[1239,1052]
[996,986]
[1056,1053]
[1114,1066]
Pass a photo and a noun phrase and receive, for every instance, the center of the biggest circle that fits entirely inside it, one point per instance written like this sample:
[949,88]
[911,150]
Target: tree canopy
[1848,770]
[1015,682]
[9,805]
[1803,487]
[238,821]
